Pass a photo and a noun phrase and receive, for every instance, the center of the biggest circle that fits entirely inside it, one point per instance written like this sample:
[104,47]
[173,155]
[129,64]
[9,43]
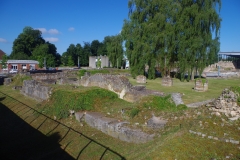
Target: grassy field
[172,142]
[215,87]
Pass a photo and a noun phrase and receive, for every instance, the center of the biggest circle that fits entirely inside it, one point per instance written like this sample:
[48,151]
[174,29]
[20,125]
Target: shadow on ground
[19,140]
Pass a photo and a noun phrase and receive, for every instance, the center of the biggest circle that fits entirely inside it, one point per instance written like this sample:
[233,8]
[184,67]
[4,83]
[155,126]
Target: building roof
[23,61]
[231,54]
[1,54]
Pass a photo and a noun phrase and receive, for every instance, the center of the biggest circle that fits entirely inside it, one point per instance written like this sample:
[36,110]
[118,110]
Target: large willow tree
[169,32]
[115,50]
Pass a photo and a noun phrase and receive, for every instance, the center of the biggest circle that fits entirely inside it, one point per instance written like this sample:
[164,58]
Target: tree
[4,61]
[41,53]
[25,43]
[115,50]
[199,25]
[70,61]
[95,45]
[79,53]
[86,53]
[170,31]
[64,59]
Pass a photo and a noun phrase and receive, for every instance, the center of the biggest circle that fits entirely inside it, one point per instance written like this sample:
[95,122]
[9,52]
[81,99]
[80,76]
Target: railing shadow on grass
[21,141]
[69,129]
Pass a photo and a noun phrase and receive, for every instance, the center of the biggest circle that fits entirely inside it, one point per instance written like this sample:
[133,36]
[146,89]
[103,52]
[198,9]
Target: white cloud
[71,29]
[51,39]
[43,30]
[53,31]
[50,31]
[3,40]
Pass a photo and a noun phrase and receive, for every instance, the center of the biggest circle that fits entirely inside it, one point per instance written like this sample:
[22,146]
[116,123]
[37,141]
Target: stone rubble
[226,104]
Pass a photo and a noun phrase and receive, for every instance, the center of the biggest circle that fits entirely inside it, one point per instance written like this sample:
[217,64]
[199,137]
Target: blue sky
[76,21]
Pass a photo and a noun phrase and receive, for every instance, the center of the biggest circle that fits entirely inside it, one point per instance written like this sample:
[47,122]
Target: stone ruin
[167,81]
[7,81]
[201,85]
[114,127]
[36,90]
[118,84]
[226,104]
[141,79]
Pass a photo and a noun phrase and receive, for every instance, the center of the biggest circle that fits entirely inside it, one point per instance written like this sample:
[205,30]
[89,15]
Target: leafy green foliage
[25,43]
[70,61]
[63,101]
[30,45]
[165,32]
[98,63]
[81,72]
[163,104]
[115,50]
[4,61]
[18,79]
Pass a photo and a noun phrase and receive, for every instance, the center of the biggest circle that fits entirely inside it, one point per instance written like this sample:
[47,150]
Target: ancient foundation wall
[113,127]
[35,90]
[118,84]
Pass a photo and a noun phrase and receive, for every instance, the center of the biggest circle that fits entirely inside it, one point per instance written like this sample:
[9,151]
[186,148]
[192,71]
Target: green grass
[62,101]
[215,87]
[172,142]
[18,79]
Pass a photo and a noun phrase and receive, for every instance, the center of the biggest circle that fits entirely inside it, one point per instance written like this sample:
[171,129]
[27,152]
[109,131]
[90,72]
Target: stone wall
[45,76]
[224,65]
[118,84]
[113,127]
[35,90]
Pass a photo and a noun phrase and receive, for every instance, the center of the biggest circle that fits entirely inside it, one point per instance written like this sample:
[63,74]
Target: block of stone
[17,87]
[201,85]
[7,81]
[141,79]
[167,81]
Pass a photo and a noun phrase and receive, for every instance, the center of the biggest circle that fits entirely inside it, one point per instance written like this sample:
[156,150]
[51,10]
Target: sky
[65,22]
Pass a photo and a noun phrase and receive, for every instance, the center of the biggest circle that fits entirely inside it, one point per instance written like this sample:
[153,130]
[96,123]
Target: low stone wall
[35,90]
[113,127]
[45,76]
[118,84]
